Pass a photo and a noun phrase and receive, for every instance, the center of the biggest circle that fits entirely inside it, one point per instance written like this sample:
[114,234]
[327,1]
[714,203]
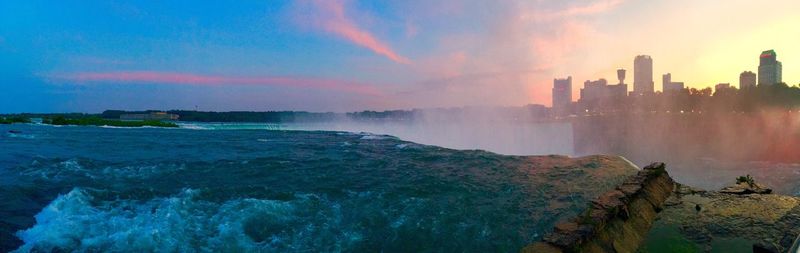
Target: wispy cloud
[333,18]
[596,7]
[154,77]
[593,8]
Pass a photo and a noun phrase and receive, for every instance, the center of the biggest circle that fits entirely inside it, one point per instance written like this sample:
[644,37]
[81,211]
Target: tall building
[769,68]
[593,90]
[621,89]
[598,96]
[562,94]
[747,79]
[643,75]
[667,85]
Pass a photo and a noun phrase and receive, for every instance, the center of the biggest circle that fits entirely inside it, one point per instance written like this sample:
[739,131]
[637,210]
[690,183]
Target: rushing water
[150,189]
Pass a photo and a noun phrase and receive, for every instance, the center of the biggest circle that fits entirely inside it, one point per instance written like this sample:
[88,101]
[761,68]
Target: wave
[371,136]
[124,127]
[65,170]
[193,126]
[192,220]
[231,126]
[77,221]
[21,136]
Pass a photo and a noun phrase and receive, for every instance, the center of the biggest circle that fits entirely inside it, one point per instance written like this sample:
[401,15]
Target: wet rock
[541,248]
[568,234]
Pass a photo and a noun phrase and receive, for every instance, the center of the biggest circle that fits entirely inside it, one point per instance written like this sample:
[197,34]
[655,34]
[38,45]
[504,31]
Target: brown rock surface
[745,188]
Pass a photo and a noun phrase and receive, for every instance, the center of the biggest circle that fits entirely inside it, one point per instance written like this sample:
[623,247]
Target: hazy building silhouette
[667,85]
[618,90]
[722,86]
[769,68]
[600,96]
[643,75]
[562,94]
[747,79]
[621,89]
[593,90]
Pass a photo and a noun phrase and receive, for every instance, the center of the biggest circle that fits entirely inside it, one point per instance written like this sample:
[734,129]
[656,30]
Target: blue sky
[87,56]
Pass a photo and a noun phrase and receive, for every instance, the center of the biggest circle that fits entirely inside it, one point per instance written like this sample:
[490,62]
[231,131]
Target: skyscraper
[769,68]
[621,89]
[643,75]
[747,79]
[562,94]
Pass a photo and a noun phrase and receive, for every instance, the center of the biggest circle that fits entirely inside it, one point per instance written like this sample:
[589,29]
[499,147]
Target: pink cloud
[214,80]
[551,49]
[443,66]
[334,20]
[515,61]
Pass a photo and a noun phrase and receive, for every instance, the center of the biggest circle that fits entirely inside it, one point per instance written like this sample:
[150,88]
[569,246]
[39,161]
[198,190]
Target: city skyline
[356,55]
[769,68]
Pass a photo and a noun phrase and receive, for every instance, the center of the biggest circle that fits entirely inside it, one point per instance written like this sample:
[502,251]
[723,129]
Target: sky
[349,55]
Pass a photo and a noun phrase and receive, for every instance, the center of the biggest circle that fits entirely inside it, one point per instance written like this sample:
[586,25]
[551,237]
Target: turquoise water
[183,190]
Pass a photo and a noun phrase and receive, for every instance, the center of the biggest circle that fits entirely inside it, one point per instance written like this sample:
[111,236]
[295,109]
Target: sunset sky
[87,56]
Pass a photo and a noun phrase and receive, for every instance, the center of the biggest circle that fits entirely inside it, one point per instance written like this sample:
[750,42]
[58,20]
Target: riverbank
[94,121]
[12,120]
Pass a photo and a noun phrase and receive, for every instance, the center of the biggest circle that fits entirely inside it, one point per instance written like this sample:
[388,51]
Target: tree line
[730,99]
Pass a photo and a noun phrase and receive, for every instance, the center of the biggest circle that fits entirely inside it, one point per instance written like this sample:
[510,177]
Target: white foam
[181,223]
[116,127]
[231,126]
[371,136]
[21,136]
[193,126]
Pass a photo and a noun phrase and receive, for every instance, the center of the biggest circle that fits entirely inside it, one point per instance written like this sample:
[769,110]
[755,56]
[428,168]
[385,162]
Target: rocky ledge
[743,217]
[742,188]
[616,221]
